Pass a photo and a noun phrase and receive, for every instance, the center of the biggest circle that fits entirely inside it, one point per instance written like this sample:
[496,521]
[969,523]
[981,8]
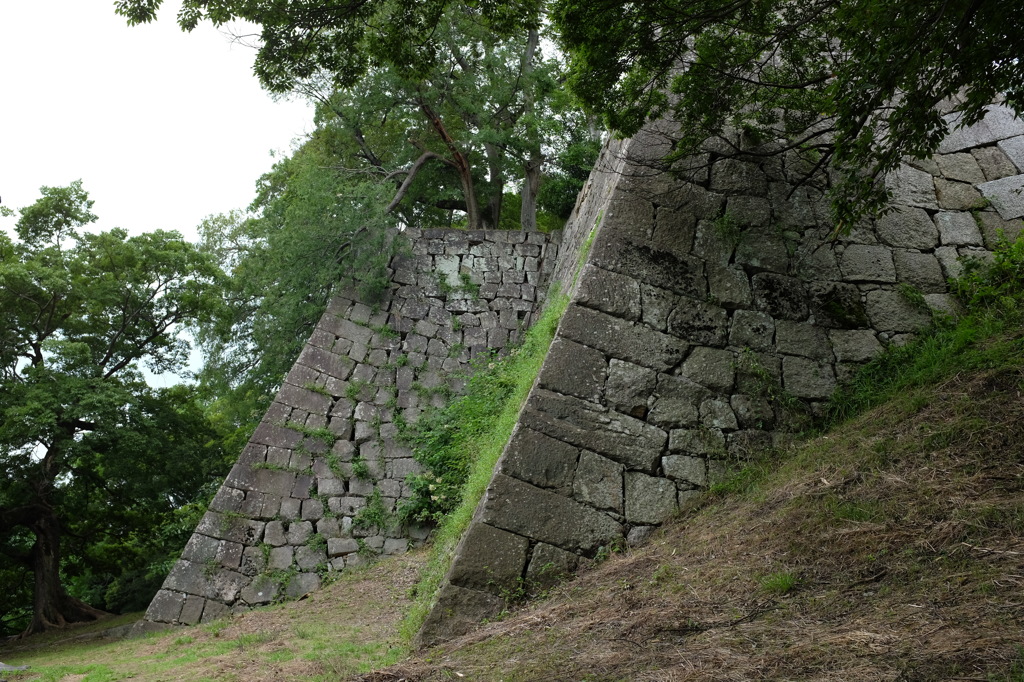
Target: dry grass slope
[890,549]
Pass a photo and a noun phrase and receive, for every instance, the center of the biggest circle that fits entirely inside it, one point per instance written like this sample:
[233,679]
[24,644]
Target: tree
[88,451]
[853,85]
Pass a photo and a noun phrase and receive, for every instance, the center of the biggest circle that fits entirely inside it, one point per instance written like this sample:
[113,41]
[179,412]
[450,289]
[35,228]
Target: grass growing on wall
[478,431]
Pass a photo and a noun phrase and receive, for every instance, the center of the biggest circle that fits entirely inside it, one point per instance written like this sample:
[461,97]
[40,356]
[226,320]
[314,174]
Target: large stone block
[920,270]
[711,367]
[802,338]
[630,388]
[622,339]
[864,263]
[956,196]
[752,329]
[994,163]
[805,378]
[529,511]
[907,227]
[598,482]
[166,606]
[665,269]
[574,369]
[549,566]
[541,460]
[699,322]
[617,436]
[892,311]
[780,296]
[677,402]
[685,468]
[649,500]
[609,292]
[912,187]
[1007,195]
[857,345]
[999,123]
[490,560]
[458,611]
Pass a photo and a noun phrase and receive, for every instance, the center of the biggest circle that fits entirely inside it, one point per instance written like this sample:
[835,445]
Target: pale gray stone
[191,610]
[609,292]
[302,583]
[752,412]
[676,402]
[992,226]
[949,259]
[342,546]
[280,558]
[999,123]
[309,559]
[729,286]
[994,163]
[1007,195]
[539,459]
[956,196]
[802,338]
[649,500]
[892,311]
[716,414]
[1014,150]
[920,270]
[685,468]
[864,263]
[574,369]
[855,345]
[548,566]
[961,167]
[912,187]
[907,227]
[699,442]
[598,482]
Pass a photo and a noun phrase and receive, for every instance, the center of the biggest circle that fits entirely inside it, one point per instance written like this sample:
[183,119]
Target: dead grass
[902,532]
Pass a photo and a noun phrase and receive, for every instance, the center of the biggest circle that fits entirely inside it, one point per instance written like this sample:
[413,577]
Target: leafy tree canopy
[857,82]
[89,453]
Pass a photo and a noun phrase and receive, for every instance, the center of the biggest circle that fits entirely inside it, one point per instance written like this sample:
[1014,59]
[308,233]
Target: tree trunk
[51,605]
[461,165]
[531,169]
[492,217]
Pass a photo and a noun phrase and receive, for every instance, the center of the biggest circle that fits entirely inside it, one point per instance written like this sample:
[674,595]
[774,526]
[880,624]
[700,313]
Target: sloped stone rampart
[709,317]
[328,449]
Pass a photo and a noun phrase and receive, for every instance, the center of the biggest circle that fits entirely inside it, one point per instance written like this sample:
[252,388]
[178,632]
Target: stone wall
[291,510]
[710,316]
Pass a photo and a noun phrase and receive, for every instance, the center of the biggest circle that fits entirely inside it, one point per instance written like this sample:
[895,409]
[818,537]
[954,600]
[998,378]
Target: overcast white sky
[163,127]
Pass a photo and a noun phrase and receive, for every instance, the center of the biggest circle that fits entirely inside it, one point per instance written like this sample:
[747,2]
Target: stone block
[649,500]
[548,566]
[907,227]
[630,388]
[752,329]
[956,196]
[765,252]
[529,511]
[729,287]
[911,187]
[309,558]
[676,402]
[992,226]
[657,306]
[699,442]
[199,548]
[802,338]
[1013,148]
[598,482]
[920,270]
[994,163]
[490,560]
[302,584]
[864,263]
[262,590]
[166,606]
[711,367]
[622,339]
[342,546]
[231,528]
[780,296]
[298,532]
[891,311]
[458,611]
[710,244]
[837,305]
[752,412]
[699,322]
[617,436]
[280,558]
[805,378]
[999,123]
[684,468]
[609,292]
[574,369]
[716,414]
[856,345]
[747,210]
[394,546]
[1007,195]
[665,269]
[962,167]
[538,459]
[740,177]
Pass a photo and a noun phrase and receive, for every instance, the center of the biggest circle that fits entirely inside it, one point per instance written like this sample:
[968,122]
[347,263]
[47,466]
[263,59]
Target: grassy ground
[343,630]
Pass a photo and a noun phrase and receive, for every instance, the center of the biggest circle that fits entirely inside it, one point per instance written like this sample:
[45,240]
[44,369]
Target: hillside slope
[891,548]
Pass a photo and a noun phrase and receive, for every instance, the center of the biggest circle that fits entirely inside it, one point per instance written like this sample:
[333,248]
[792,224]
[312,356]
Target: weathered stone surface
[309,558]
[233,528]
[802,338]
[701,442]
[836,305]
[622,339]
[676,402]
[994,163]
[1007,195]
[780,296]
[302,583]
[729,286]
[911,187]
[857,345]
[649,500]
[262,590]
[541,460]
[864,263]
[617,436]
[730,175]
[1013,148]
[711,367]
[752,329]
[548,566]
[806,378]
[458,611]
[957,196]
[571,368]
[609,292]
[920,270]
[166,606]
[280,558]
[678,273]
[753,412]
[907,227]
[892,311]
[993,226]
[630,388]
[526,510]
[598,482]
[999,123]
[961,167]
[686,468]
[489,559]
[717,414]
[699,322]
